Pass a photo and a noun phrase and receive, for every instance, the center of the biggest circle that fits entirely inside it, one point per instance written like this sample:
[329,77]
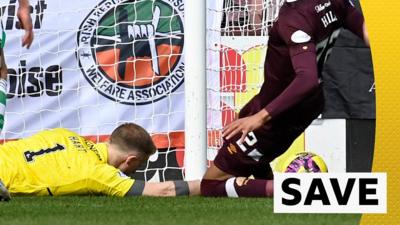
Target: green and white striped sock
[3,99]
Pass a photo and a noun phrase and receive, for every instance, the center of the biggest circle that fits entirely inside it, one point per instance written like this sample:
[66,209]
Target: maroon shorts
[268,142]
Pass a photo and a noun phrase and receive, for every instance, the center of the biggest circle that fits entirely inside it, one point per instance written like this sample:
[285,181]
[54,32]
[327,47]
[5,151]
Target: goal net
[237,35]
[97,64]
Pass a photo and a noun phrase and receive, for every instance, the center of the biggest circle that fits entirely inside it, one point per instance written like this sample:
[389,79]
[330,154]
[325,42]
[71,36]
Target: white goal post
[195,89]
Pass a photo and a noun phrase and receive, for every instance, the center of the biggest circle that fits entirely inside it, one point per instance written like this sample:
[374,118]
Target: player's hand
[246,125]
[24,17]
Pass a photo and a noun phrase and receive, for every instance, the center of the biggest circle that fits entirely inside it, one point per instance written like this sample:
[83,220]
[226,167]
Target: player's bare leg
[214,173]
[3,88]
[4,194]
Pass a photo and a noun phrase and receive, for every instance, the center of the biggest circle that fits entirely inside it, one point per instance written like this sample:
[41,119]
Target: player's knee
[3,72]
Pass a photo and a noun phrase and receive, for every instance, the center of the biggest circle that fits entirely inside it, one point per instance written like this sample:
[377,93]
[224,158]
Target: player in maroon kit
[290,98]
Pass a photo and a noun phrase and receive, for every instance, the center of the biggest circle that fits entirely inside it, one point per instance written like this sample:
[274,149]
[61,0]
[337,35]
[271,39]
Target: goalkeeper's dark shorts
[272,139]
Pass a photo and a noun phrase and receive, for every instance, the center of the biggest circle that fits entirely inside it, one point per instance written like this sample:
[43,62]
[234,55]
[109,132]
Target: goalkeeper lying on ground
[60,162]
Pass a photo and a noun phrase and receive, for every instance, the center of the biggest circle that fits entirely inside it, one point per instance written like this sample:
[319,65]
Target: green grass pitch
[145,210]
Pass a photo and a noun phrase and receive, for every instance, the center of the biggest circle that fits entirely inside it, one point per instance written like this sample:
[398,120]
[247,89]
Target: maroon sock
[234,188]
[212,188]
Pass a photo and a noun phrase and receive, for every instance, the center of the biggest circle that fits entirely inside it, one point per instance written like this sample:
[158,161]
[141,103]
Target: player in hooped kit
[24,17]
[290,98]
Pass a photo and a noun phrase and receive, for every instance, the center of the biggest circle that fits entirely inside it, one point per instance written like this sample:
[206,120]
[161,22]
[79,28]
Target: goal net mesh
[237,37]
[97,64]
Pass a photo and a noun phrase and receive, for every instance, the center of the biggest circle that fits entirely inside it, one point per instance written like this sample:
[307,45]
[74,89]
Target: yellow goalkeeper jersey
[59,162]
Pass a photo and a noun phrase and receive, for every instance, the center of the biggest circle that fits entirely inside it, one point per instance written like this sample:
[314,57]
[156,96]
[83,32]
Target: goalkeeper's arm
[168,188]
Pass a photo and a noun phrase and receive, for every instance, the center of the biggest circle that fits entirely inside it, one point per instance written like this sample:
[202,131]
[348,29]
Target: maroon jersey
[300,42]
